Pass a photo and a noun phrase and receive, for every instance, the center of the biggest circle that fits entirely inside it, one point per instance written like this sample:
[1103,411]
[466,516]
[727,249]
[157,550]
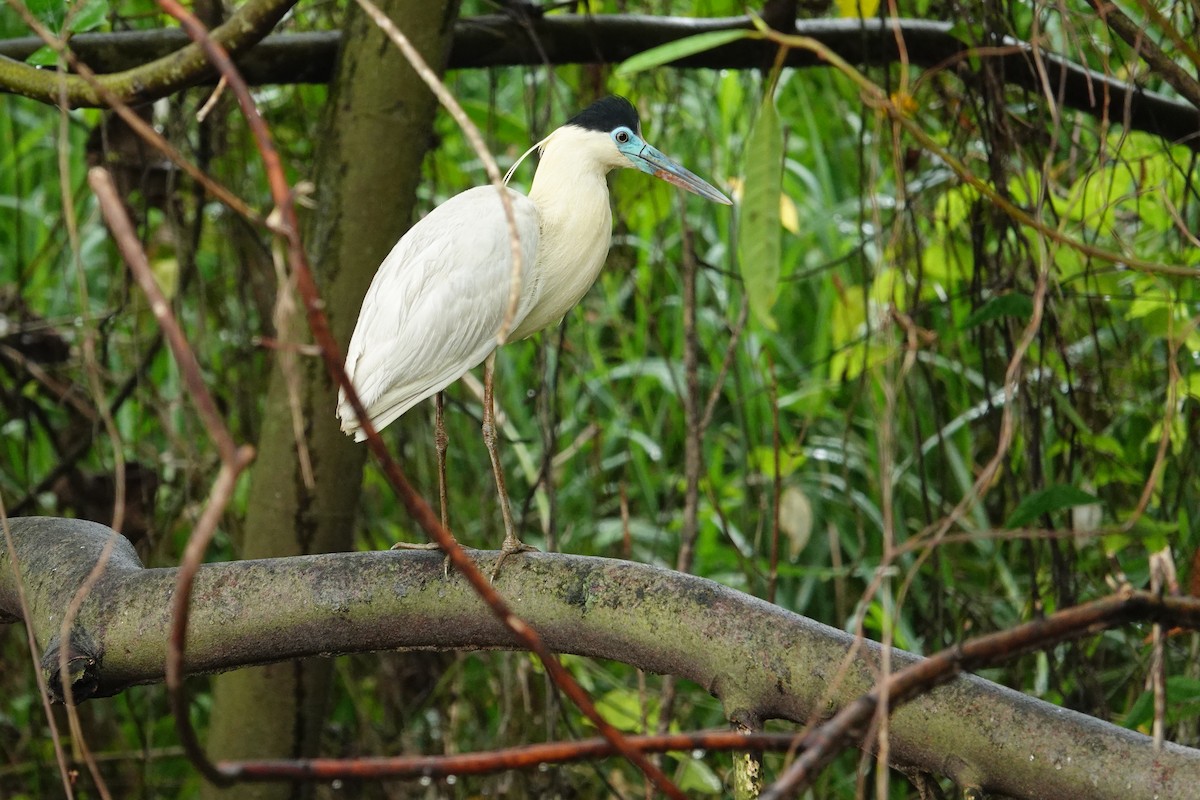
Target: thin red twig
[193,555]
[234,459]
[509,758]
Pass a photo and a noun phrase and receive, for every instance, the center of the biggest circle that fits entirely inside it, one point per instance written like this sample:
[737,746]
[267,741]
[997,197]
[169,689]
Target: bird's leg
[511,543]
[441,443]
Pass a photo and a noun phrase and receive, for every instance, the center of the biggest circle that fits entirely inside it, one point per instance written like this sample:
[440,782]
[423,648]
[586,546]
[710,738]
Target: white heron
[439,299]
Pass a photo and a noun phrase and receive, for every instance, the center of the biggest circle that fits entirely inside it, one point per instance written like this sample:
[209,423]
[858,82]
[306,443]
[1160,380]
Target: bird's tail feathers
[350,424]
[380,417]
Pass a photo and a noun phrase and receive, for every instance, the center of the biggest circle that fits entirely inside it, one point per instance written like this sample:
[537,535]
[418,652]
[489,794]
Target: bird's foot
[429,546]
[511,545]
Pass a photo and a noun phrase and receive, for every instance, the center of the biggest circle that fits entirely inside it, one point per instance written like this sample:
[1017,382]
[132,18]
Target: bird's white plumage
[423,325]
[438,301]
[436,304]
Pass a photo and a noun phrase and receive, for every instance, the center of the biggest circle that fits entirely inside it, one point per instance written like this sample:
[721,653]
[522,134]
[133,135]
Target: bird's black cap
[605,115]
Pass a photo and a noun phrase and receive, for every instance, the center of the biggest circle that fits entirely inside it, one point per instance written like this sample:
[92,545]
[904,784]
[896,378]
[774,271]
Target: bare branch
[495,40]
[233,459]
[503,759]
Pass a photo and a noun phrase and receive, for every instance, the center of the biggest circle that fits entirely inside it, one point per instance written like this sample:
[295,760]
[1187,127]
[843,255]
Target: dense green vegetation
[835,472]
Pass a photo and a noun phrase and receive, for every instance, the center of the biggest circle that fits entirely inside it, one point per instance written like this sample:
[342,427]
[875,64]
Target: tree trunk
[378,123]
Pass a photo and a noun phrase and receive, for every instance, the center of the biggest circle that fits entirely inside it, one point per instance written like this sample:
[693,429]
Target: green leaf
[1183,702]
[1012,304]
[50,13]
[42,57]
[759,247]
[624,709]
[681,48]
[696,777]
[87,15]
[66,18]
[70,17]
[1054,498]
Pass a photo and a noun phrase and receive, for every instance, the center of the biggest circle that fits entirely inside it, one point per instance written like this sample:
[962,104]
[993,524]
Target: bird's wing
[437,302]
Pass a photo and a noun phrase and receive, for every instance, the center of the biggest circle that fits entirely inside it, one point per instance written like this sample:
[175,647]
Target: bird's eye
[622,136]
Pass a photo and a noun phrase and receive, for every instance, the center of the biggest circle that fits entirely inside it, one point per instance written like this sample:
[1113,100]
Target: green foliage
[1013,304]
[673,51]
[1182,695]
[64,20]
[758,229]
[898,297]
[1047,501]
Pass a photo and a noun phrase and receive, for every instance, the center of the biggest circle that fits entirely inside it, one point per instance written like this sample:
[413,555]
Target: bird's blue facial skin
[652,162]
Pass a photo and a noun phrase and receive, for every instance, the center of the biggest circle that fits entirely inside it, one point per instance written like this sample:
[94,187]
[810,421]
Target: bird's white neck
[570,191]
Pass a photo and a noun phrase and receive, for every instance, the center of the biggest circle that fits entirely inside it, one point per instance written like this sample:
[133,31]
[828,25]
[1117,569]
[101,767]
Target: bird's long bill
[660,166]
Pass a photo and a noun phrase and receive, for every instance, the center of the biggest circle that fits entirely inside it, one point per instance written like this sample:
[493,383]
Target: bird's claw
[416,546]
[509,547]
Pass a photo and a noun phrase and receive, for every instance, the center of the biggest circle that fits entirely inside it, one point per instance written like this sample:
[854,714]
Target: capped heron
[439,299]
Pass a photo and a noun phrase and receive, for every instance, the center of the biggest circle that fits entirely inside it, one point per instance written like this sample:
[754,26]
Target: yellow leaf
[789,217]
[860,9]
[905,103]
[166,272]
[795,519]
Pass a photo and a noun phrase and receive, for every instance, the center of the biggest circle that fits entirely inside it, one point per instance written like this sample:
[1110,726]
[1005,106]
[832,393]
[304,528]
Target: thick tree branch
[761,661]
[493,41]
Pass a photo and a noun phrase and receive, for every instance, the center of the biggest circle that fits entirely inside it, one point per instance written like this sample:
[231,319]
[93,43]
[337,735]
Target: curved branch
[178,67]
[761,661]
[496,40]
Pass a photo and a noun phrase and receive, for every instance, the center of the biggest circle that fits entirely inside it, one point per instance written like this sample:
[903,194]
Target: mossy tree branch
[181,66]
[761,661]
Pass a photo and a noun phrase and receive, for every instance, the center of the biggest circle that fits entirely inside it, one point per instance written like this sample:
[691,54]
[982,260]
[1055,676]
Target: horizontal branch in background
[153,77]
[761,661]
[498,41]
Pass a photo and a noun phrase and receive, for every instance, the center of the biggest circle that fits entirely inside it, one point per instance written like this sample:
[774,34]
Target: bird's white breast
[570,192]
